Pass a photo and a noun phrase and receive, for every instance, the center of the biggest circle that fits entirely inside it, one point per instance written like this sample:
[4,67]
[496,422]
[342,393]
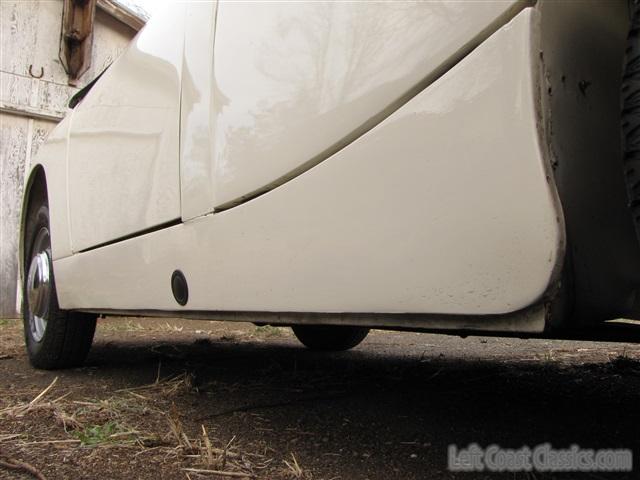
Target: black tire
[631,114]
[63,339]
[329,337]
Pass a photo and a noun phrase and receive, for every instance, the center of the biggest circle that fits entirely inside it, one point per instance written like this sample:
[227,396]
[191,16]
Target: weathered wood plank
[76,41]
[33,97]
[31,34]
[13,147]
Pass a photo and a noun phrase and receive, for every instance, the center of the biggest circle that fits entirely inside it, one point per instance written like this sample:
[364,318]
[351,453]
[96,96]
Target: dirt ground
[162,399]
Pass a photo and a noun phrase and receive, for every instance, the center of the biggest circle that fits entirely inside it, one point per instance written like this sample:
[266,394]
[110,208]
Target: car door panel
[295,82]
[123,154]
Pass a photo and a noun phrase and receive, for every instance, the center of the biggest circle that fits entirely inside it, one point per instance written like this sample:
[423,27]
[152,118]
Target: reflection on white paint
[293,79]
[123,152]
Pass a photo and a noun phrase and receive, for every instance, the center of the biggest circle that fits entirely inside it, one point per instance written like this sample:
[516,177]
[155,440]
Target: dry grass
[294,470]
[135,418]
[210,455]
[270,331]
[167,327]
[122,326]
[166,387]
[22,409]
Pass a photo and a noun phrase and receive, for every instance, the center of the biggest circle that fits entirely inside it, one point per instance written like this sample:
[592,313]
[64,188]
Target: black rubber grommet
[179,287]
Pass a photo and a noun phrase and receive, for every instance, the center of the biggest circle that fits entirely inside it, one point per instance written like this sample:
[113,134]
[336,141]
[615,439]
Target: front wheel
[54,338]
[329,337]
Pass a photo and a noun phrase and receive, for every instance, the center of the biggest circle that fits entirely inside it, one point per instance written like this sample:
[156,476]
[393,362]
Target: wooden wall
[33,97]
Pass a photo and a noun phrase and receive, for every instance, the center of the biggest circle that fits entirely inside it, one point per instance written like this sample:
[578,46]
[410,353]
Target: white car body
[381,164]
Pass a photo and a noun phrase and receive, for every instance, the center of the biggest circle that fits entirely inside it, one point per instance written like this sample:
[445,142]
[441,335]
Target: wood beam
[76,39]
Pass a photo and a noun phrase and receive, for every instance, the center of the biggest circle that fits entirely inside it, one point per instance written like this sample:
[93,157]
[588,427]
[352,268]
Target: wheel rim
[39,286]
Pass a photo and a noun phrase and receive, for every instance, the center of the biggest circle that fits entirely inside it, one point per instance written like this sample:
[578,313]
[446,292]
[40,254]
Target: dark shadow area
[384,410]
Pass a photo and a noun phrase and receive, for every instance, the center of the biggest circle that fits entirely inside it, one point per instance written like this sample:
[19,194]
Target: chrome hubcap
[39,286]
